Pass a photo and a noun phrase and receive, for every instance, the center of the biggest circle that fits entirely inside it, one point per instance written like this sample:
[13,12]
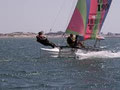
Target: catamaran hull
[69,52]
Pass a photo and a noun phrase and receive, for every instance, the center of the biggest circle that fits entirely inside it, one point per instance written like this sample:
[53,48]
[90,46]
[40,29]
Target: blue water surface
[24,66]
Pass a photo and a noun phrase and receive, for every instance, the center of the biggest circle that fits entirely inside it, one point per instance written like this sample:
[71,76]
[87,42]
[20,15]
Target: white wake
[96,54]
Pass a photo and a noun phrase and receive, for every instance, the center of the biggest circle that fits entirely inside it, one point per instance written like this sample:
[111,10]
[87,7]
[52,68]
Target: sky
[47,15]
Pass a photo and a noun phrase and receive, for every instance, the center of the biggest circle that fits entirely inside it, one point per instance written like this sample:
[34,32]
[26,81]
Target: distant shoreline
[57,36]
[49,35]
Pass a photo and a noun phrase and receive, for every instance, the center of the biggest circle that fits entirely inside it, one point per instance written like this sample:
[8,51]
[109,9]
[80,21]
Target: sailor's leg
[51,44]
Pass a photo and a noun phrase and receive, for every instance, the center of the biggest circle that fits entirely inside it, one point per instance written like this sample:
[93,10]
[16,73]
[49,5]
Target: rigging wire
[54,21]
[57,16]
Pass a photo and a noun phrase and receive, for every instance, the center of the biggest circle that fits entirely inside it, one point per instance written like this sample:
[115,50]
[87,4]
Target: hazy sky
[37,15]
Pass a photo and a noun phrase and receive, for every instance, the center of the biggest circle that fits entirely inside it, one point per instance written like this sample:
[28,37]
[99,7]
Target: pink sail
[76,23]
[88,18]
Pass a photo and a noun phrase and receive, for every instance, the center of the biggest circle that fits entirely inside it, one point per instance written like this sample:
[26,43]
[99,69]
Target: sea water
[24,66]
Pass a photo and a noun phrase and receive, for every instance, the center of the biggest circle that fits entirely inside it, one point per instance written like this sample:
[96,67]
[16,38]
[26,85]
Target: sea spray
[97,54]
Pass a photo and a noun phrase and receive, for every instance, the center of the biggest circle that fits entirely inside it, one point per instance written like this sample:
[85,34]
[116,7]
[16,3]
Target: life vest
[42,40]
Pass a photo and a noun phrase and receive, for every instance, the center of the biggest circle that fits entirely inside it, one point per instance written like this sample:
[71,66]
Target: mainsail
[88,18]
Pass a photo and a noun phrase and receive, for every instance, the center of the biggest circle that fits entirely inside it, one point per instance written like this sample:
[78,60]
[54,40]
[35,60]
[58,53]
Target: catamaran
[87,20]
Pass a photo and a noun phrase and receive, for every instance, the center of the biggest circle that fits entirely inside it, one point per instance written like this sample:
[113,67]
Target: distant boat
[88,18]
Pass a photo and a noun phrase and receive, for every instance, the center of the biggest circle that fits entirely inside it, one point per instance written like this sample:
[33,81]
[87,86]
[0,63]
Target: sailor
[71,40]
[43,40]
[79,41]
